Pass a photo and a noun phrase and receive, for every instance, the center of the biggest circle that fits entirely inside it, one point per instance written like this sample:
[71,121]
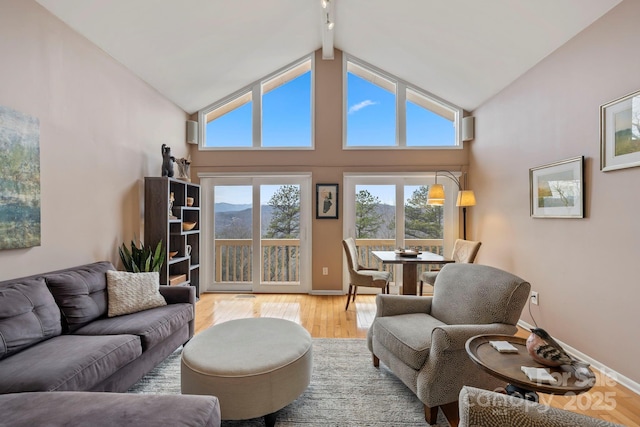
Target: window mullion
[256,115]
[401,114]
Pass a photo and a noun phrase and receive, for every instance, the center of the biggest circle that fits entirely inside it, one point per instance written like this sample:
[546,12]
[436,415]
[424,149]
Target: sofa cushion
[80,292]
[28,315]
[133,292]
[152,326]
[408,336]
[67,362]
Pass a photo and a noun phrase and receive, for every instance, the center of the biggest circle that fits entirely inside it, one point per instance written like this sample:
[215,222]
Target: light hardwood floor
[325,317]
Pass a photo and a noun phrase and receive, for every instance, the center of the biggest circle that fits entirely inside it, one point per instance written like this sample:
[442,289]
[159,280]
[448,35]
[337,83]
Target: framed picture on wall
[557,189]
[620,133]
[327,201]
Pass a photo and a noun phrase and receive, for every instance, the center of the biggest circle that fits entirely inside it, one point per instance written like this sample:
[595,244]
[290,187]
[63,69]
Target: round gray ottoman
[254,367]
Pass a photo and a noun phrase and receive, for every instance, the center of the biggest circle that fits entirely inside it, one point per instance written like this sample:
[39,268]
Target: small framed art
[557,189]
[620,133]
[327,201]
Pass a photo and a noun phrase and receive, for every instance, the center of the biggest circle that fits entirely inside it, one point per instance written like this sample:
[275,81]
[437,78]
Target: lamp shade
[435,195]
[466,198]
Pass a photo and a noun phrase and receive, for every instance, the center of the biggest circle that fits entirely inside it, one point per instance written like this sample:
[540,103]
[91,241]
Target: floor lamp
[465,197]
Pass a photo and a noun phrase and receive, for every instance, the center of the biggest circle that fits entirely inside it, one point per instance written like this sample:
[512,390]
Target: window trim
[401,117]
[255,89]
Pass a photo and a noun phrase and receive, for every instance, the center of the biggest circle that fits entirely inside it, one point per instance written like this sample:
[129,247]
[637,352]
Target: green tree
[422,221]
[368,218]
[284,224]
[285,219]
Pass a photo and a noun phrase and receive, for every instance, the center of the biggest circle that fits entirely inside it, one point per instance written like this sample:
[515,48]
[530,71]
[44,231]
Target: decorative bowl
[186,226]
[172,254]
[189,201]
[407,252]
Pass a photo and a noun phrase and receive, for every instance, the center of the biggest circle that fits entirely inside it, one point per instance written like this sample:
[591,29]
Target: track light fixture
[329,23]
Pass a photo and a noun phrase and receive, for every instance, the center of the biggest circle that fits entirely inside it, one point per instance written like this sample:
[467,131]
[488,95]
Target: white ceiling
[196,52]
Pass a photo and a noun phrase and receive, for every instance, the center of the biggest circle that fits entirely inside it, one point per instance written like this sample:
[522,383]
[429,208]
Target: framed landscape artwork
[327,201]
[620,133]
[19,180]
[557,189]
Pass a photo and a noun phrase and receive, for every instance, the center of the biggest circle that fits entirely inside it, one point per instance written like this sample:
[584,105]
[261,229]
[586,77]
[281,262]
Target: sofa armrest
[482,408]
[454,337]
[178,294]
[393,305]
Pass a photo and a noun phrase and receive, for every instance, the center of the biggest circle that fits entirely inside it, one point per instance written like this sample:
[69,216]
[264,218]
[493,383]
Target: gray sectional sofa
[55,336]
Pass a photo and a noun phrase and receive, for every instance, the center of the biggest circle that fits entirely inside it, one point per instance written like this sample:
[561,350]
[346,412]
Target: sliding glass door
[257,233]
[387,211]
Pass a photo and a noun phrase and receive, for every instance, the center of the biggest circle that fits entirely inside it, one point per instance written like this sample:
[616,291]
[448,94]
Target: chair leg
[355,291]
[430,414]
[376,361]
[420,288]
[348,296]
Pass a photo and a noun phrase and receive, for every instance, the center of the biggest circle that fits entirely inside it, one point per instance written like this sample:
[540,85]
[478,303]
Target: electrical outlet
[534,297]
[325,271]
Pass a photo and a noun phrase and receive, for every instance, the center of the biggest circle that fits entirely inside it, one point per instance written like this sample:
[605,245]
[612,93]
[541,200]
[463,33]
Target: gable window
[274,112]
[384,111]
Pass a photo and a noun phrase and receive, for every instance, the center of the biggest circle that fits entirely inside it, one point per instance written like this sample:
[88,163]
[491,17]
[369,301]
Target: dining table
[410,261]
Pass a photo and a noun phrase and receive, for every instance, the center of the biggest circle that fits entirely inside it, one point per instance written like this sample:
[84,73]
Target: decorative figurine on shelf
[167,161]
[171,200]
[183,169]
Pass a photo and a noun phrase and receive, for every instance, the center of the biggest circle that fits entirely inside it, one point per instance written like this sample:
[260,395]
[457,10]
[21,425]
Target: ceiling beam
[327,27]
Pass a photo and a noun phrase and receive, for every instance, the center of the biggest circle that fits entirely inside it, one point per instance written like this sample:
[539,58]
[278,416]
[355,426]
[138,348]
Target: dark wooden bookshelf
[184,268]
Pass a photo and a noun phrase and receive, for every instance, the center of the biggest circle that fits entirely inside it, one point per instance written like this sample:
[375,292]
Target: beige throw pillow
[133,292]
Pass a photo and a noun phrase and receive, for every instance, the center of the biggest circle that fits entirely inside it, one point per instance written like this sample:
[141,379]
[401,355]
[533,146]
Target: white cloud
[361,105]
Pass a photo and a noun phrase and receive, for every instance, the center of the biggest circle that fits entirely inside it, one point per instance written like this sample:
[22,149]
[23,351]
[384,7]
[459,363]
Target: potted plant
[142,259]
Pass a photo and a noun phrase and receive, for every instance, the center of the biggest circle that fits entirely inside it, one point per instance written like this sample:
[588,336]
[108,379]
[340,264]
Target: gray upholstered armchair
[482,408]
[422,339]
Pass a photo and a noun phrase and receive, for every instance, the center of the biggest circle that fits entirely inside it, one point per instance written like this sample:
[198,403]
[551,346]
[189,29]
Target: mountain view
[234,221]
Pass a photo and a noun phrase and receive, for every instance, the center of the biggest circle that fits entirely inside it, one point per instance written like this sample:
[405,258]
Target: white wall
[101,129]
[587,271]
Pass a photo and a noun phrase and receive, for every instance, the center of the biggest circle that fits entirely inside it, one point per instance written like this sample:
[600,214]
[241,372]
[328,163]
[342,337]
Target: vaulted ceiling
[198,51]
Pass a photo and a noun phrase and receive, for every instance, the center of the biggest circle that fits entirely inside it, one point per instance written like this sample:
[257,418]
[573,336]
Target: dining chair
[360,275]
[464,251]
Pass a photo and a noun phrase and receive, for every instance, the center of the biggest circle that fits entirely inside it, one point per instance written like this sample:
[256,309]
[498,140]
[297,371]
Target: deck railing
[281,260]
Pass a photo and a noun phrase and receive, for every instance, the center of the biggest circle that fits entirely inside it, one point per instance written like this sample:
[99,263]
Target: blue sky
[286,118]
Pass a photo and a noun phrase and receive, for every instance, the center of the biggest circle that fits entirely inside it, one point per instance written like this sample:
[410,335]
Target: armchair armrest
[393,305]
[454,337]
[482,408]
[178,294]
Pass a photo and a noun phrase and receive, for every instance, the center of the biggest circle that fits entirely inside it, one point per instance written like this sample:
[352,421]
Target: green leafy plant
[143,258]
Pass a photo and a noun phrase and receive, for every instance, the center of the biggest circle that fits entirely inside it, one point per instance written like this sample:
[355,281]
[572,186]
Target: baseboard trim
[321,292]
[604,369]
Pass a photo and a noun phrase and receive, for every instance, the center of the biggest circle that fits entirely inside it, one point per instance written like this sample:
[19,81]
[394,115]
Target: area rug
[346,390]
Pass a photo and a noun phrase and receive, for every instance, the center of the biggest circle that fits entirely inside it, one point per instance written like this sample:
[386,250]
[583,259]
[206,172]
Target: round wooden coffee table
[506,366]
